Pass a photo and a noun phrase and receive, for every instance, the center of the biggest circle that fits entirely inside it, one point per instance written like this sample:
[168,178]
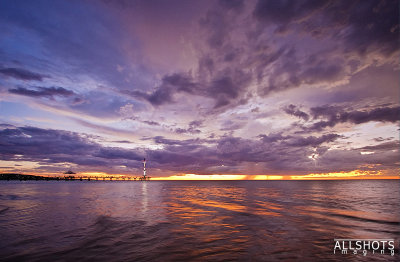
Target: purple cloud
[22,74]
[336,115]
[49,92]
[293,110]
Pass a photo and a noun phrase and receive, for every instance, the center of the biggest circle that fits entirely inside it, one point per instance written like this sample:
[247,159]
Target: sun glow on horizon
[99,174]
[268,177]
[355,174]
[201,177]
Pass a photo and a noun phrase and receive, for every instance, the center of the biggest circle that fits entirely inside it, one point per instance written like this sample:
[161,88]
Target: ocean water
[195,220]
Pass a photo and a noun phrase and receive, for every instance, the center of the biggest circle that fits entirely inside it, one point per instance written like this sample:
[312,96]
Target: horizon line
[222,177]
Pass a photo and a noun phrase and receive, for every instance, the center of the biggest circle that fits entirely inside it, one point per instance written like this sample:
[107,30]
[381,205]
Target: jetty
[72,176]
[22,177]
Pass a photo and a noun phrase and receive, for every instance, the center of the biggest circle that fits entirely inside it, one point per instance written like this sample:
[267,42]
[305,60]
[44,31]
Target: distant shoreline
[16,176]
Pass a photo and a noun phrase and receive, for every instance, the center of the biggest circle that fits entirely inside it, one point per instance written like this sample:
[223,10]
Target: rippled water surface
[194,220]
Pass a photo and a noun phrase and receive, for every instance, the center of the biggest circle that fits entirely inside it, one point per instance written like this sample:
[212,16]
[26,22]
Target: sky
[224,89]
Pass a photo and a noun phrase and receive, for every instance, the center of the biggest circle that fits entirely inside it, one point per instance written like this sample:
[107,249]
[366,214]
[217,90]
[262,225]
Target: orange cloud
[355,174]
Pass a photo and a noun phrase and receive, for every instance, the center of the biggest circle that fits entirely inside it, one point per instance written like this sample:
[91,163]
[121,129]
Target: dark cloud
[361,26]
[48,92]
[385,114]
[231,89]
[21,74]
[188,130]
[3,125]
[381,139]
[290,71]
[235,148]
[336,115]
[151,123]
[192,128]
[273,152]
[180,82]
[164,93]
[285,12]
[38,144]
[232,125]
[312,141]
[373,24]
[170,85]
[224,90]
[352,159]
[165,141]
[122,141]
[394,145]
[187,143]
[362,32]
[220,75]
[161,96]
[117,153]
[274,137]
[276,152]
[196,123]
[57,146]
[222,69]
[294,111]
[324,111]
[322,71]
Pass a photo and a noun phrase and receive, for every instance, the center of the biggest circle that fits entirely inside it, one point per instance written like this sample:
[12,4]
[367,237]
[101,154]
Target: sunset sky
[243,89]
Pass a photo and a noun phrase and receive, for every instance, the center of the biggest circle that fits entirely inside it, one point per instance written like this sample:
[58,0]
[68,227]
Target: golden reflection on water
[208,210]
[218,204]
[203,219]
[218,207]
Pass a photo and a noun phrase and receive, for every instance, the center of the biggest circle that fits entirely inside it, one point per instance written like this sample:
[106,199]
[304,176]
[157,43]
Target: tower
[144,168]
